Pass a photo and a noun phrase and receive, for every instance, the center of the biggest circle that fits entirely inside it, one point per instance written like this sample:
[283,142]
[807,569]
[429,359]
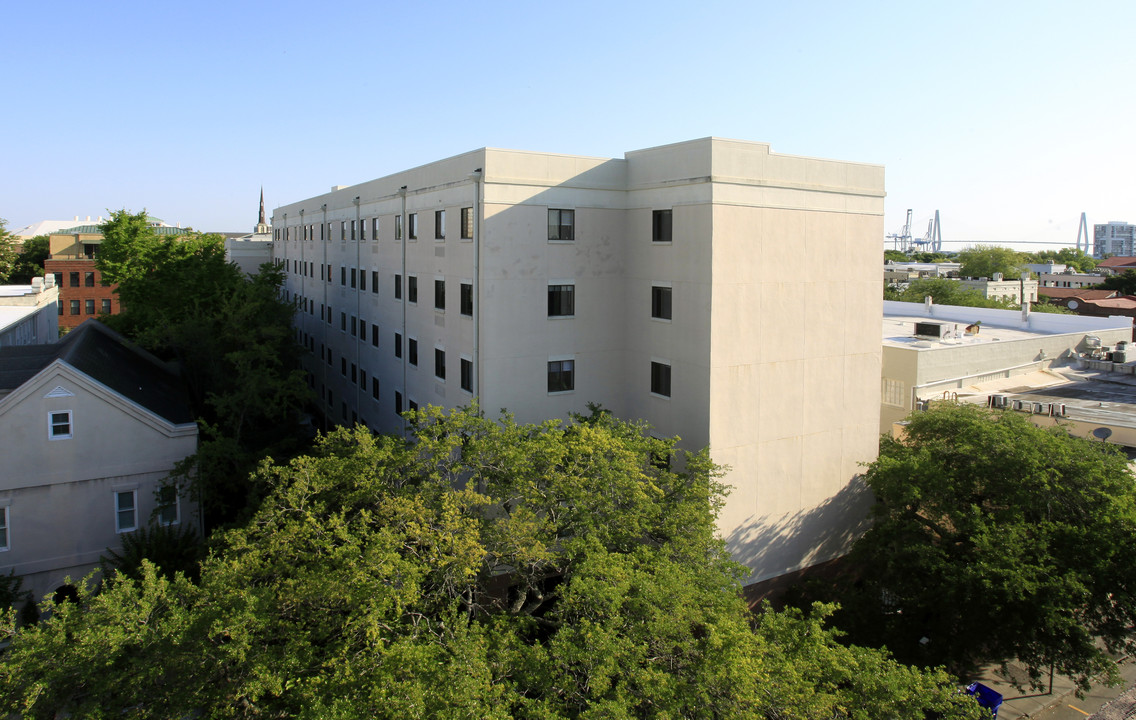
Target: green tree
[1125,283]
[1074,258]
[985,260]
[481,569]
[29,263]
[945,291]
[231,336]
[8,252]
[994,539]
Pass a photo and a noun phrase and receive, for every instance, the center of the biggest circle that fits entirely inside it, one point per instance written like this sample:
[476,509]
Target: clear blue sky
[1010,118]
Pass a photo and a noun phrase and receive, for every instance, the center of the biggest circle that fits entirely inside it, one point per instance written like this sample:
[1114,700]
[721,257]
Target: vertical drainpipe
[402,293]
[358,299]
[476,176]
[323,322]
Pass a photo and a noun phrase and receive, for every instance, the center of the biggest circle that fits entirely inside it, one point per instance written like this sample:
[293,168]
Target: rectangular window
[343,230]
[660,302]
[561,300]
[660,379]
[362,280]
[439,224]
[362,329]
[397,227]
[411,405]
[126,510]
[375,388]
[374,335]
[105,306]
[413,234]
[561,375]
[894,393]
[59,425]
[362,229]
[412,288]
[362,378]
[73,276]
[89,279]
[466,299]
[59,307]
[412,351]
[343,366]
[4,528]
[374,228]
[398,402]
[58,279]
[661,226]
[74,307]
[354,325]
[352,278]
[354,373]
[439,363]
[397,287]
[343,276]
[561,225]
[375,281]
[330,315]
[467,375]
[467,223]
[343,321]
[89,306]
[168,505]
[398,345]
[439,294]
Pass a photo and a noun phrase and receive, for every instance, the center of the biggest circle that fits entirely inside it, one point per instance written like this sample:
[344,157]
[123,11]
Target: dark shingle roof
[104,355]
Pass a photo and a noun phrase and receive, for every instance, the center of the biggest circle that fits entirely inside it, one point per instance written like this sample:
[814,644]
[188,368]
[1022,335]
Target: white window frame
[5,529]
[51,434]
[666,285]
[118,509]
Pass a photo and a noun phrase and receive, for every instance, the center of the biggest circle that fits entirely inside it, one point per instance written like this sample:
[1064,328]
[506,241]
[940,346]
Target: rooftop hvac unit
[1018,405]
[999,401]
[930,330]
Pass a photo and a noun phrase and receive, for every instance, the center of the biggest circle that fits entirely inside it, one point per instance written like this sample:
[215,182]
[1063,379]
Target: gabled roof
[105,356]
[1118,261]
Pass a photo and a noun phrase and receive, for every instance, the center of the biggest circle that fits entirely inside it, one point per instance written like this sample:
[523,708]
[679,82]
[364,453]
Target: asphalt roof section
[102,354]
[1083,293]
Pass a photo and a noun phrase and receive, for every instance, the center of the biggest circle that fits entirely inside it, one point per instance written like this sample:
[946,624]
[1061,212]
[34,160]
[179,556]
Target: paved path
[1119,702]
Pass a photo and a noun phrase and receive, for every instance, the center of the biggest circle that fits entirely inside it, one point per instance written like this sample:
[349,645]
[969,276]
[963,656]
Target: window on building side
[561,375]
[168,505]
[397,227]
[59,425]
[343,321]
[439,224]
[413,234]
[343,276]
[362,280]
[353,272]
[398,402]
[661,379]
[89,306]
[343,230]
[412,288]
[375,388]
[439,363]
[362,378]
[125,510]
[73,277]
[4,544]
[412,351]
[467,375]
[89,278]
[661,226]
[561,225]
[561,300]
[343,366]
[467,223]
[439,294]
[74,307]
[105,306]
[466,299]
[374,228]
[398,345]
[397,287]
[660,302]
[374,335]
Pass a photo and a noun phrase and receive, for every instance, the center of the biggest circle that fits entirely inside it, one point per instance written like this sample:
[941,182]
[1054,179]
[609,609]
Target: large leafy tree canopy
[231,336]
[480,569]
[995,539]
[29,263]
[985,260]
[9,252]
[945,291]
[1124,283]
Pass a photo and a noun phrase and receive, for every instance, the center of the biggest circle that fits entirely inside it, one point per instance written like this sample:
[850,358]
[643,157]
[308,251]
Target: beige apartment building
[662,285]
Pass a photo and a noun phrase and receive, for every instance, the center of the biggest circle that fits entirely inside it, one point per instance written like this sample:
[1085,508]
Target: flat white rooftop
[899,331]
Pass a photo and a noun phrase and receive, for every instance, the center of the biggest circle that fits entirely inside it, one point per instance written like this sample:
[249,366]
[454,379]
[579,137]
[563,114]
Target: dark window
[398,402]
[354,373]
[343,276]
[374,335]
[397,227]
[106,306]
[362,329]
[440,363]
[354,325]
[89,279]
[466,299]
[375,281]
[352,277]
[561,300]
[467,375]
[411,405]
[343,366]
[374,228]
[362,279]
[661,226]
[413,226]
[561,375]
[343,230]
[398,345]
[89,306]
[412,288]
[412,351]
[58,279]
[74,307]
[59,307]
[439,294]
[74,278]
[660,302]
[661,379]
[343,321]
[561,224]
[397,287]
[375,388]
[467,223]
[362,378]
[439,224]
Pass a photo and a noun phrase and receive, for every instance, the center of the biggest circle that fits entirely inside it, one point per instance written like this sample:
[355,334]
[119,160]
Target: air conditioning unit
[932,330]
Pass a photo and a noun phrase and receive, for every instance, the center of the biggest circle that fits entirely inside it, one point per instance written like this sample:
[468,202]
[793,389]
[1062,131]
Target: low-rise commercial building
[29,314]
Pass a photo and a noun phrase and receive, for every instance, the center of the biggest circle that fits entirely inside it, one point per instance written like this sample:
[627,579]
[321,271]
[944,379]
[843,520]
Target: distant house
[92,425]
[1116,265]
[29,314]
[999,288]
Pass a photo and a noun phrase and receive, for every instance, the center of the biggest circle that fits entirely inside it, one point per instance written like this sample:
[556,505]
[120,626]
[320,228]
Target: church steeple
[261,225]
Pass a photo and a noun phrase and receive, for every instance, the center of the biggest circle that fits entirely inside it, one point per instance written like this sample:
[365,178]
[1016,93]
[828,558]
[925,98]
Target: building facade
[1114,238]
[663,285]
[29,314]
